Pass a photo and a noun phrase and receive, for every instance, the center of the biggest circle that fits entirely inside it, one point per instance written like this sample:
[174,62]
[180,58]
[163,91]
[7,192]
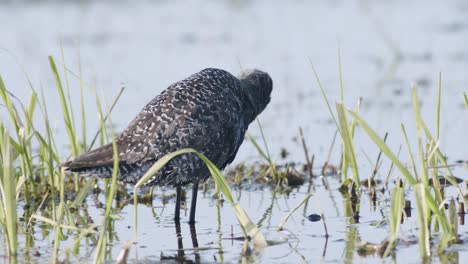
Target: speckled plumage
[209,111]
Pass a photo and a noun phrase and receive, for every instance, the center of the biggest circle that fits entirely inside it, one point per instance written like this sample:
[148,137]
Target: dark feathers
[210,111]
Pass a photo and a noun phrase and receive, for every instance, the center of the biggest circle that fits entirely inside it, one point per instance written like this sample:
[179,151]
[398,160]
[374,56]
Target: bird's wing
[135,143]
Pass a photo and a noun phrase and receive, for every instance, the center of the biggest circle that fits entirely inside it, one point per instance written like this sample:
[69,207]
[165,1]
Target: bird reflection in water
[181,256]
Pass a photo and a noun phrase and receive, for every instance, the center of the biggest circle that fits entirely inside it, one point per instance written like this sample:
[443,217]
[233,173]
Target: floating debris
[314,217]
[369,249]
[373,182]
[294,177]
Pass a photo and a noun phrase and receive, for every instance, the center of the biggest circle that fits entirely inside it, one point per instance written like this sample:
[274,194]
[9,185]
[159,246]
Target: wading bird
[209,111]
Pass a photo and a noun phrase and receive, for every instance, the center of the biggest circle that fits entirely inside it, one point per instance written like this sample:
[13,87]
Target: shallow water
[217,237]
[147,45]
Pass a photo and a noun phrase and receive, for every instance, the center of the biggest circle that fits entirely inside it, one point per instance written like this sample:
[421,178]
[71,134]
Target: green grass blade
[47,155]
[410,153]
[53,154]
[340,72]
[324,95]
[439,96]
[396,213]
[102,119]
[82,104]
[424,233]
[465,100]
[258,148]
[398,200]
[385,149]
[31,109]
[263,139]
[10,106]
[101,246]
[67,86]
[262,153]
[82,193]
[102,127]
[65,108]
[417,113]
[348,142]
[8,184]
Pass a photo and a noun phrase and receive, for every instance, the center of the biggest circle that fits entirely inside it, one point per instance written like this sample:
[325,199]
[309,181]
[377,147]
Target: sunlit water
[146,46]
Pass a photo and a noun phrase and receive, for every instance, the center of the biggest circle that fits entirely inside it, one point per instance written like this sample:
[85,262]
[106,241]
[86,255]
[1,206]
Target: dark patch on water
[314,217]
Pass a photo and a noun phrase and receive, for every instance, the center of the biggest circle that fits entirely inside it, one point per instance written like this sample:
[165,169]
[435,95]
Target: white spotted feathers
[209,111]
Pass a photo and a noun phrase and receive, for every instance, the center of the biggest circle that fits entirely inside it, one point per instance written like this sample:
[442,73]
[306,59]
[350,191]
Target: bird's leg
[193,234]
[193,204]
[177,206]
[180,244]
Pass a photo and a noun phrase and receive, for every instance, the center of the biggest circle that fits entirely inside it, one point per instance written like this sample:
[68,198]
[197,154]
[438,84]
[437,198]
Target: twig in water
[306,152]
[280,226]
[376,167]
[325,165]
[391,169]
[323,218]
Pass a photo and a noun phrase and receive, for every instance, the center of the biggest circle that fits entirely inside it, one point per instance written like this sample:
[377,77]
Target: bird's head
[256,86]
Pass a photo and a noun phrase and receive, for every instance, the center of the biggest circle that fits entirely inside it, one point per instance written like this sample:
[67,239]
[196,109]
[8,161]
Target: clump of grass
[424,181]
[271,172]
[428,204]
[42,184]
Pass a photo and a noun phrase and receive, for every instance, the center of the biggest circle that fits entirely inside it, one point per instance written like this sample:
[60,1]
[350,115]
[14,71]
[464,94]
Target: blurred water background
[147,45]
